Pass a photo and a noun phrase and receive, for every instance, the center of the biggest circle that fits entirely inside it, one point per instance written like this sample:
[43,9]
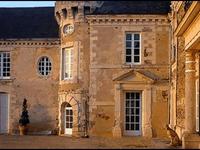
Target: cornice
[30,42]
[127,19]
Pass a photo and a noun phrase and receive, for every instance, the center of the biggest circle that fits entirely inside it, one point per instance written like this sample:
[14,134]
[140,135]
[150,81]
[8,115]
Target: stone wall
[26,82]
[107,53]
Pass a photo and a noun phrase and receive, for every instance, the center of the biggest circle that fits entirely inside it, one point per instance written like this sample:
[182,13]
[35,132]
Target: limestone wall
[26,82]
[107,58]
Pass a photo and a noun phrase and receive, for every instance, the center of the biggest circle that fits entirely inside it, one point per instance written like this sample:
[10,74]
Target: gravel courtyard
[63,142]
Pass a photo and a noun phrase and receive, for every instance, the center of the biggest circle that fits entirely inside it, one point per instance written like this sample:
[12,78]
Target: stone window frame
[46,74]
[70,63]
[8,72]
[132,49]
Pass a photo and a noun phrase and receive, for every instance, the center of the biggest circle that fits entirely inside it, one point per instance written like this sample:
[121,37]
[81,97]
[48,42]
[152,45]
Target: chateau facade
[184,66]
[97,68]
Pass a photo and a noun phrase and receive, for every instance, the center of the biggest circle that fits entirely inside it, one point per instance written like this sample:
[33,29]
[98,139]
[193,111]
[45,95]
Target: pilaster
[189,92]
[117,131]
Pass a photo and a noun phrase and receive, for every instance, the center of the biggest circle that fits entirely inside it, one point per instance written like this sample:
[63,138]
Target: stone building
[97,67]
[184,72]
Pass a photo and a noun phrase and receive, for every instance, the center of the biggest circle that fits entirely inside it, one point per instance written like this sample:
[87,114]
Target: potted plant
[24,120]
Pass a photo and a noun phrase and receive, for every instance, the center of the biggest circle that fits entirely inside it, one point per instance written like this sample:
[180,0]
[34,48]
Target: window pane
[127,95]
[128,37]
[128,51]
[132,127]
[136,51]
[137,127]
[132,103]
[136,59]
[128,44]
[136,37]
[137,95]
[132,118]
[127,111]
[132,95]
[137,103]
[132,111]
[137,118]
[127,126]
[128,58]
[137,111]
[127,103]
[127,119]
[136,44]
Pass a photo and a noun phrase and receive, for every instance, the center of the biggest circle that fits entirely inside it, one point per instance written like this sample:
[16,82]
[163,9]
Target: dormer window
[74,11]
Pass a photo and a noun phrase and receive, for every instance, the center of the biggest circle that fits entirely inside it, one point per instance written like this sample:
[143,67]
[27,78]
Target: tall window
[67,63]
[133,48]
[4,65]
[44,66]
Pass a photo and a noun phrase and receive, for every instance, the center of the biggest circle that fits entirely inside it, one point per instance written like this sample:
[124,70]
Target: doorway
[4,110]
[68,119]
[132,121]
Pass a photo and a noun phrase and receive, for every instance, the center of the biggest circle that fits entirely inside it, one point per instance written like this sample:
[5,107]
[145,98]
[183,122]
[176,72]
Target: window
[86,10]
[67,63]
[4,65]
[133,48]
[64,12]
[44,66]
[74,11]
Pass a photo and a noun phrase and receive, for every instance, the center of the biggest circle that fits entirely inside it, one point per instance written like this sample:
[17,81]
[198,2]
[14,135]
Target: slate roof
[133,7]
[38,22]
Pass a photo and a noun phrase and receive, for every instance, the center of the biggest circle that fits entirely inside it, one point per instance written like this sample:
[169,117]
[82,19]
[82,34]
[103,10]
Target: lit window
[44,66]
[67,63]
[133,48]
[4,65]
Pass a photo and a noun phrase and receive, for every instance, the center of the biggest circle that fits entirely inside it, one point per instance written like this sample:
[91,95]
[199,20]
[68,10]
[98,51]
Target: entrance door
[3,113]
[68,120]
[132,113]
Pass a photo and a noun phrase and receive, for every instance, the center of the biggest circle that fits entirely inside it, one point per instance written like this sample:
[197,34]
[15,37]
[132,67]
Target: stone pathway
[56,142]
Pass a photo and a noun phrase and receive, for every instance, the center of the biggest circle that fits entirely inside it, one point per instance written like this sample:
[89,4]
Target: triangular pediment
[133,76]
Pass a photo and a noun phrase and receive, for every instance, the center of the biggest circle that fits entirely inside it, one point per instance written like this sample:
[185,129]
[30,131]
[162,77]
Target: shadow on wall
[41,122]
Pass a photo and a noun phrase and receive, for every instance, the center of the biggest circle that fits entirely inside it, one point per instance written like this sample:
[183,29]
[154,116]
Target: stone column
[117,126]
[190,92]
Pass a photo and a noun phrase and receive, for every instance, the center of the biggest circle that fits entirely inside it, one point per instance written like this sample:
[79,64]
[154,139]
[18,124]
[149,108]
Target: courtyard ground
[57,142]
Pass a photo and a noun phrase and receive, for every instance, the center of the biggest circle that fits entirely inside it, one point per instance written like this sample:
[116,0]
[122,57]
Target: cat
[175,141]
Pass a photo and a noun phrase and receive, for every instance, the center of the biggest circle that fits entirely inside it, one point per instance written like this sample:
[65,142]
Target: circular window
[68,29]
[44,66]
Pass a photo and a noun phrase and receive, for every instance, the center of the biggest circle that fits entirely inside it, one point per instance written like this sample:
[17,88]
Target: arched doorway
[68,119]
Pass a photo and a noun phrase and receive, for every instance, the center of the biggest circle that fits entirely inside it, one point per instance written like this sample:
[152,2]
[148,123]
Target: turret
[74,10]
[75,61]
